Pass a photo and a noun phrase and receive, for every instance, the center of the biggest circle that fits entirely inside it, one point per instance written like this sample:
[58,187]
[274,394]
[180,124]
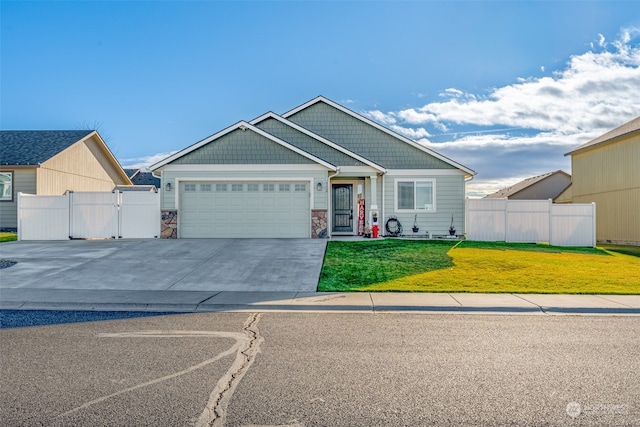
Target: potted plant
[366,231]
[415,224]
[452,228]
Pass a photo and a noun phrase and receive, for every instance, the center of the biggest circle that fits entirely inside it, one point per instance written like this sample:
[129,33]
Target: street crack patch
[215,412]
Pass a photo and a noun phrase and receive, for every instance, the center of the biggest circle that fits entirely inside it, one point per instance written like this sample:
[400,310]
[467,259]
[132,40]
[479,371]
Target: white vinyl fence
[85,215]
[531,221]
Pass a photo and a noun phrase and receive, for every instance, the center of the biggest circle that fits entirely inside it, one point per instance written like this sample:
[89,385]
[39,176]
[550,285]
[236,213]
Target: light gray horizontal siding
[450,196]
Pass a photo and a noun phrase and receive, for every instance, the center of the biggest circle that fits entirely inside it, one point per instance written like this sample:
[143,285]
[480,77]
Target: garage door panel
[227,210]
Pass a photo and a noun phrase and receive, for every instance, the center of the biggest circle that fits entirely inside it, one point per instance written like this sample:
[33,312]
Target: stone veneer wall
[318,224]
[169,224]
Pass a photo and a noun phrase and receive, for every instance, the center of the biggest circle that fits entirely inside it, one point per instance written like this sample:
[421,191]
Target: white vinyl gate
[85,215]
[531,221]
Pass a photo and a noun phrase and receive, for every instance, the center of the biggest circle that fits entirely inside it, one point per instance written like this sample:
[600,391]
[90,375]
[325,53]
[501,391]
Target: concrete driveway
[162,264]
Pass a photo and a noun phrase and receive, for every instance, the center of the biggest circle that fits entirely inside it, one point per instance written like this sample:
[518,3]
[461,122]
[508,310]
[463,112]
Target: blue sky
[505,88]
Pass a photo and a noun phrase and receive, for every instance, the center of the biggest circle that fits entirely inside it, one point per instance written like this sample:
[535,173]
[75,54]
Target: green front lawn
[8,237]
[442,266]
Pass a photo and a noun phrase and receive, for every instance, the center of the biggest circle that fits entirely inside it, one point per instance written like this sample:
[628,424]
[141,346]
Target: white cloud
[380,117]
[596,91]
[523,129]
[145,161]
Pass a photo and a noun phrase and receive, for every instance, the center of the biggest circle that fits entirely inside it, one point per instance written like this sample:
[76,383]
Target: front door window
[342,207]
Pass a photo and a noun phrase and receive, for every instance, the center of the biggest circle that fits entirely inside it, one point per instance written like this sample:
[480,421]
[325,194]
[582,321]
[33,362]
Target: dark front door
[342,207]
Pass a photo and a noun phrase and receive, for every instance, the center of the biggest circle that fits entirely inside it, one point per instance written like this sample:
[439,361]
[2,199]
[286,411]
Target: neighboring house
[606,170]
[50,163]
[140,177]
[541,187]
[304,174]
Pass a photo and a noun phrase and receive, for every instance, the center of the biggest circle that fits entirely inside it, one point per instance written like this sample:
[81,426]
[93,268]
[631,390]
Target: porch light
[319,186]
[168,186]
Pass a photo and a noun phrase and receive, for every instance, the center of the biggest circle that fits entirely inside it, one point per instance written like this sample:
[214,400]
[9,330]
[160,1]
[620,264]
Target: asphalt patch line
[215,411]
[240,338]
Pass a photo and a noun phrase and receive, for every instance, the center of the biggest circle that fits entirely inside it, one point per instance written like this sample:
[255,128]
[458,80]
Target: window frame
[11,175]
[414,181]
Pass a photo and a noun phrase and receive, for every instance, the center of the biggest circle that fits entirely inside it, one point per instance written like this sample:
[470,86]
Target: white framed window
[268,188]
[6,186]
[300,187]
[284,188]
[253,188]
[221,187]
[189,188]
[415,195]
[236,188]
[205,188]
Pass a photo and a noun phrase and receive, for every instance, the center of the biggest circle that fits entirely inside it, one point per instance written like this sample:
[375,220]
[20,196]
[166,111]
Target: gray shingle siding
[242,147]
[307,143]
[363,139]
[32,147]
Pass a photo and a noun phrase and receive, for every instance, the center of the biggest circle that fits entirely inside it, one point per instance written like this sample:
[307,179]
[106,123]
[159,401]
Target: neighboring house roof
[139,177]
[353,141]
[131,172]
[621,131]
[33,147]
[528,183]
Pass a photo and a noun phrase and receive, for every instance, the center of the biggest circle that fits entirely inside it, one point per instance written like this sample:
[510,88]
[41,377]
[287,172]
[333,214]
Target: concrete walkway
[202,301]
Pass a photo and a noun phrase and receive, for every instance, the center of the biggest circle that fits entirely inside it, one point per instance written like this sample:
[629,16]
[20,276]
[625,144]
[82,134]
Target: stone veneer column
[169,224]
[318,224]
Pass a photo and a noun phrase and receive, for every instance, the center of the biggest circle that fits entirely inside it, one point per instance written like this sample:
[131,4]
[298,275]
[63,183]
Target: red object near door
[374,230]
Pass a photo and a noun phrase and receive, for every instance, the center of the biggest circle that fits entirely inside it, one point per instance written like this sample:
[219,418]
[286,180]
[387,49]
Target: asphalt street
[324,369]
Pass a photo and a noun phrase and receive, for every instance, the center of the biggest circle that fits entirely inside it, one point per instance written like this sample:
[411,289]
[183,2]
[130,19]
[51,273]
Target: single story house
[50,162]
[316,171]
[606,171]
[542,187]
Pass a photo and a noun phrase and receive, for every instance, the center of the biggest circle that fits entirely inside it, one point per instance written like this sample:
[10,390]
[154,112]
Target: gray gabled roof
[526,183]
[33,147]
[624,130]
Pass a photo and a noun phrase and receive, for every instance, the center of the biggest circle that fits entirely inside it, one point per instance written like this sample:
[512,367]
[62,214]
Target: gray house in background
[541,187]
[316,171]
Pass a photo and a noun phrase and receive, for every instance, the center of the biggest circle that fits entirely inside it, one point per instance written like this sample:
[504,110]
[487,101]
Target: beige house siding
[24,181]
[82,167]
[609,175]
[616,215]
[609,167]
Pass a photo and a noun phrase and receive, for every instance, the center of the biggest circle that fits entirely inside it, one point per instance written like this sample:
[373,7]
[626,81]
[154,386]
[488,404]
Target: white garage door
[244,209]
